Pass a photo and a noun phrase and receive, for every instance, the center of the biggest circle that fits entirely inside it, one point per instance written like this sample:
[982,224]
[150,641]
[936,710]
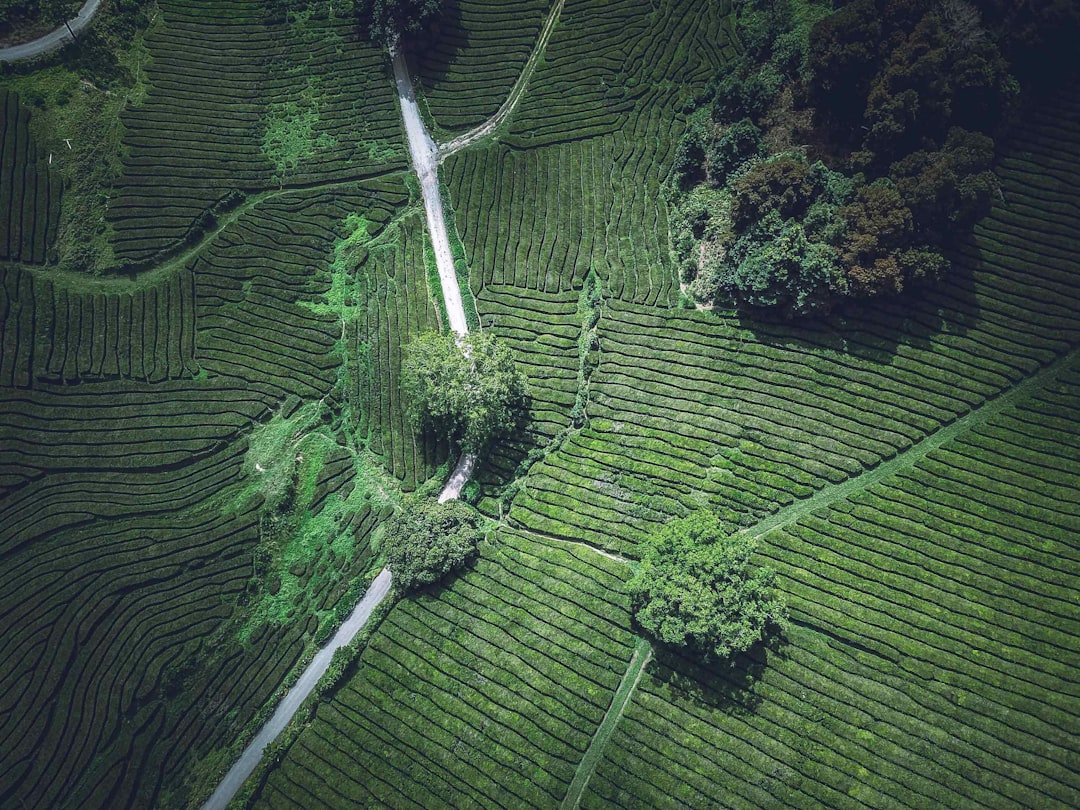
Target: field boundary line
[516,92]
[179,254]
[550,538]
[917,452]
[621,699]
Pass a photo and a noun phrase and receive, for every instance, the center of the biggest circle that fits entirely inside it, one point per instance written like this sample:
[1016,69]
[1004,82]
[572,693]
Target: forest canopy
[843,151]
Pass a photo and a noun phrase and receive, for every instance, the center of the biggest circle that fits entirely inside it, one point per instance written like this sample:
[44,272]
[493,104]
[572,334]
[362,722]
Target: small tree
[696,587]
[469,390]
[428,540]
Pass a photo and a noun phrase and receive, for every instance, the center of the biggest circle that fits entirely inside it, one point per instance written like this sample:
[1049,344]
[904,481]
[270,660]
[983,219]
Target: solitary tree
[470,390]
[428,540]
[696,587]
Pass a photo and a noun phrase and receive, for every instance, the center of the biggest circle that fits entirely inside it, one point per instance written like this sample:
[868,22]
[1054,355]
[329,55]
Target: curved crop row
[611,62]
[778,412]
[487,694]
[477,50]
[945,666]
[30,191]
[391,289]
[237,104]
[542,219]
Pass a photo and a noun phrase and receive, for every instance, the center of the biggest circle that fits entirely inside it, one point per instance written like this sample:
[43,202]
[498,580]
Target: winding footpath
[516,92]
[53,40]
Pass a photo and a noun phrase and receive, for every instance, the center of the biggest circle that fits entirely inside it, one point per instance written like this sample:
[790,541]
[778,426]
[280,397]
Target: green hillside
[204,305]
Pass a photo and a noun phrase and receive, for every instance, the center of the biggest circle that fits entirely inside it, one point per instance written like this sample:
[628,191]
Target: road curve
[54,39]
[252,755]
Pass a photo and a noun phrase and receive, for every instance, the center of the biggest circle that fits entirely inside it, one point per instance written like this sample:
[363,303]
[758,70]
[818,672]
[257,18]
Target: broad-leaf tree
[697,588]
[427,540]
[469,389]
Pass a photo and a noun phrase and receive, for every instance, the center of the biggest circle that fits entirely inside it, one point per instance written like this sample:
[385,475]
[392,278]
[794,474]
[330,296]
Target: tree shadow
[874,330]
[729,686]
[431,52]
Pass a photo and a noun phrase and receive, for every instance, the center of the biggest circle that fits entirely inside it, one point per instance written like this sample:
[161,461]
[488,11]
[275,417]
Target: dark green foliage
[428,540]
[386,21]
[739,143]
[16,13]
[949,187]
[696,587]
[468,389]
[906,92]
[776,264]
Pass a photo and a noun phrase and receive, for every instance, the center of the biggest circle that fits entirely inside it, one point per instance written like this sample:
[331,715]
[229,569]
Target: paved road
[246,764]
[425,158]
[54,39]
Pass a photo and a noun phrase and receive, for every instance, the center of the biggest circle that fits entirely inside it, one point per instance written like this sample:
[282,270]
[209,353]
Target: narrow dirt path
[516,92]
[619,702]
[252,755]
[917,452]
[53,40]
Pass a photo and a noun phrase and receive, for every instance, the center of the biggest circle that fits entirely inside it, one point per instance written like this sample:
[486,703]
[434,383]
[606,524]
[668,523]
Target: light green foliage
[590,305]
[273,452]
[284,461]
[469,389]
[291,127]
[427,540]
[290,135]
[342,299]
[77,124]
[696,587]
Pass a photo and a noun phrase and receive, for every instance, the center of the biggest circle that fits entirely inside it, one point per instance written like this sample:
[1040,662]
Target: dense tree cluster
[386,21]
[427,540]
[839,155]
[468,389]
[696,588]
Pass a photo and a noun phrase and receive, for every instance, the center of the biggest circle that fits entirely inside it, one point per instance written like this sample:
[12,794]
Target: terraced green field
[485,693]
[909,469]
[473,56]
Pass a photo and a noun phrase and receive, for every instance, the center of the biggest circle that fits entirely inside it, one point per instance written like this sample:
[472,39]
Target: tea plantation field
[198,446]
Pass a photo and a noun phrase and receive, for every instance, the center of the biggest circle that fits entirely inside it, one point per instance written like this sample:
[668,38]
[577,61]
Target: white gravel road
[54,39]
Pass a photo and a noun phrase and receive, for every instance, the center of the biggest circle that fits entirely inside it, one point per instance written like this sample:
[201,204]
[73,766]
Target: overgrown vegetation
[696,588]
[468,389]
[427,540]
[845,150]
[17,16]
[76,108]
